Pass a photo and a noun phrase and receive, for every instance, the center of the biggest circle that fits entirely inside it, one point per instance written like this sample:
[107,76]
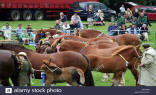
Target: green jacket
[25,36]
[142,20]
[26,68]
[121,20]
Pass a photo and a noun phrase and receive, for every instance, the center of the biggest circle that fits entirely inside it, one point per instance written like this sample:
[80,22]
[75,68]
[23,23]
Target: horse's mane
[122,49]
[15,46]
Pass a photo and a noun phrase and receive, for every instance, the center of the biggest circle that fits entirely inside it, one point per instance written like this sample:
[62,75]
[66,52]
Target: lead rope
[124,60]
[99,35]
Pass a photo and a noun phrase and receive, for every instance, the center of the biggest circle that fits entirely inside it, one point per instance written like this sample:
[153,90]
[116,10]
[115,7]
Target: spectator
[25,37]
[110,29]
[99,16]
[32,37]
[29,29]
[123,29]
[148,67]
[136,12]
[90,15]
[74,25]
[132,29]
[142,20]
[77,18]
[128,15]
[63,18]
[148,22]
[7,31]
[66,28]
[120,19]
[122,10]
[144,32]
[144,29]
[57,25]
[19,32]
[134,21]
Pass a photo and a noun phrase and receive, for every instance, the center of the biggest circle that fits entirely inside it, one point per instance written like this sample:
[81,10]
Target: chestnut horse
[9,68]
[97,42]
[124,39]
[117,63]
[63,59]
[84,48]
[69,45]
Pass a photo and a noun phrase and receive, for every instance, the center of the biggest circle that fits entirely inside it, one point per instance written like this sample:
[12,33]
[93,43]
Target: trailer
[35,9]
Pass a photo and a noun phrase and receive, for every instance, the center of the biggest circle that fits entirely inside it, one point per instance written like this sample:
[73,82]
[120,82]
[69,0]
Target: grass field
[97,76]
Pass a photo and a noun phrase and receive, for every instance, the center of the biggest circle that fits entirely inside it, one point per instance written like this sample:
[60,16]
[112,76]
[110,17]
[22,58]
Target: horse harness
[86,44]
[124,60]
[99,35]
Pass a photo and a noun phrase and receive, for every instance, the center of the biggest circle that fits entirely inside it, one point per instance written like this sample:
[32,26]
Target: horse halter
[137,52]
[51,69]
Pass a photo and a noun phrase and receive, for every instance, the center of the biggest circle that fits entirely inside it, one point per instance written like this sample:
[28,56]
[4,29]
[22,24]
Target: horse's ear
[138,46]
[46,62]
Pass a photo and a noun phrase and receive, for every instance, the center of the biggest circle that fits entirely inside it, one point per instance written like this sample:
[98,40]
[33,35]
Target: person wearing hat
[48,36]
[147,75]
[26,68]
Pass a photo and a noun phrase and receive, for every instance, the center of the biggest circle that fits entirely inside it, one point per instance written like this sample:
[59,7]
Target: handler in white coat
[147,75]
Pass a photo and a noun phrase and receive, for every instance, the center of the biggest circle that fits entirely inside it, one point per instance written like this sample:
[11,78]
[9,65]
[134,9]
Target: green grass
[96,75]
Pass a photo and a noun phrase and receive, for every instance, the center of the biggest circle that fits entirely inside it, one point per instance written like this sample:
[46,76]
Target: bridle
[127,61]
[137,52]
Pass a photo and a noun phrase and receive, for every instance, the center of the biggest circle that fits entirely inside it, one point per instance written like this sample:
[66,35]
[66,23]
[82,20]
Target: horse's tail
[15,62]
[82,77]
[88,74]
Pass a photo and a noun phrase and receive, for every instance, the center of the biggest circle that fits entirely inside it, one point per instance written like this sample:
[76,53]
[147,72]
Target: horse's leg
[88,77]
[5,82]
[48,83]
[122,80]
[114,80]
[135,74]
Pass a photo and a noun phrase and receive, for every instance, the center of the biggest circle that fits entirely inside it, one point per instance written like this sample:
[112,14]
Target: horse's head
[51,67]
[55,43]
[138,51]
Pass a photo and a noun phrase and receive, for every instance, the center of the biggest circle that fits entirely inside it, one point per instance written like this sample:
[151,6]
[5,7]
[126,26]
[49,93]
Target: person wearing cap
[147,75]
[26,68]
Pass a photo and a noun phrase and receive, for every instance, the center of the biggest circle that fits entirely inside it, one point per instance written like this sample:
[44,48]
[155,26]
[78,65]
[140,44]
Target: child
[25,37]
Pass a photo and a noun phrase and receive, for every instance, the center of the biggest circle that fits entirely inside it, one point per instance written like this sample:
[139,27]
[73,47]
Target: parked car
[82,7]
[131,5]
[150,11]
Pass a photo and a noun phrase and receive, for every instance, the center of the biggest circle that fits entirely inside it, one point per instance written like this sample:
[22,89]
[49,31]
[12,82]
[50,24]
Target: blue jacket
[64,18]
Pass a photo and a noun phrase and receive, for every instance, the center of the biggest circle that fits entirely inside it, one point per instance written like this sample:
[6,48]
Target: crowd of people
[23,35]
[139,23]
